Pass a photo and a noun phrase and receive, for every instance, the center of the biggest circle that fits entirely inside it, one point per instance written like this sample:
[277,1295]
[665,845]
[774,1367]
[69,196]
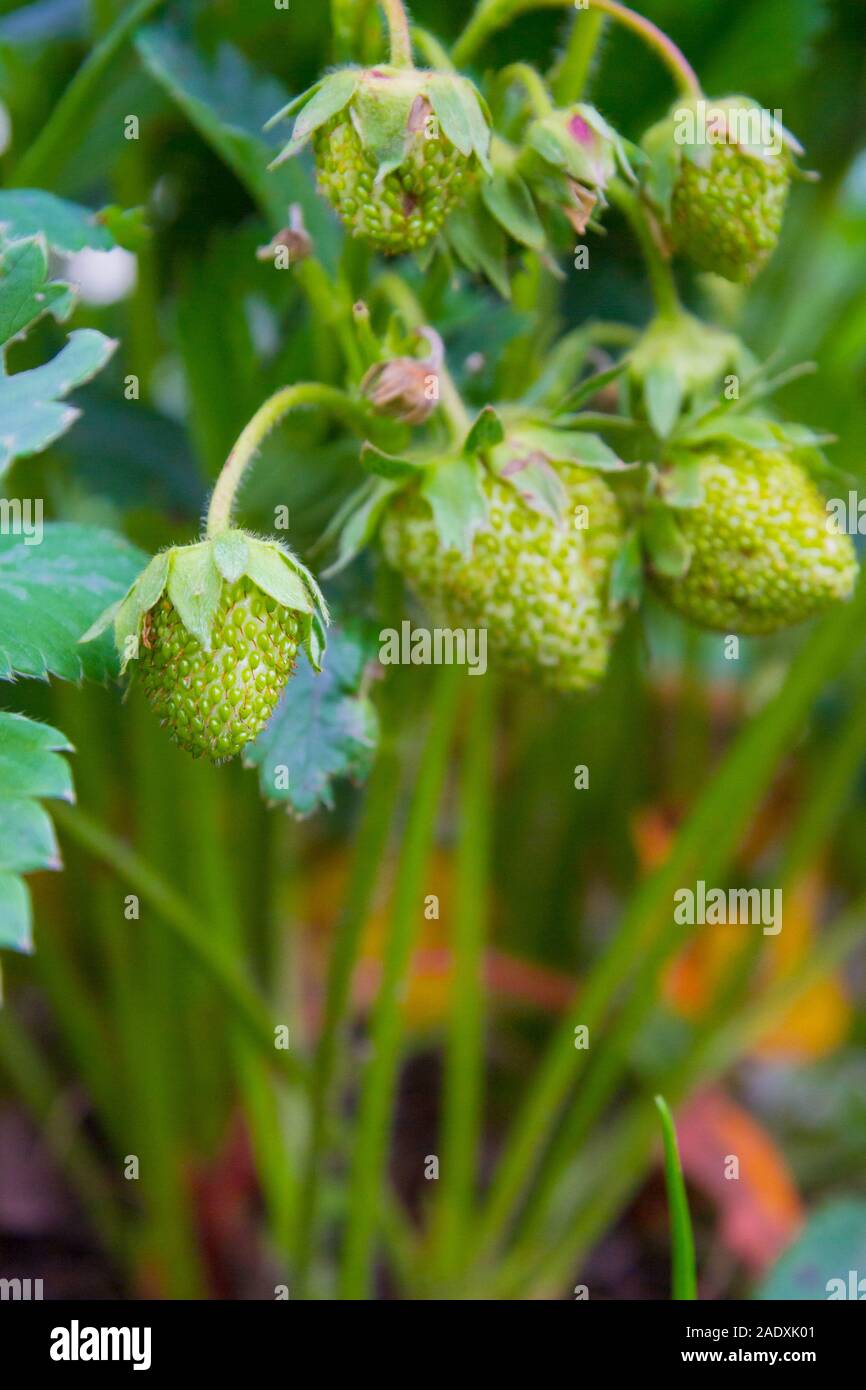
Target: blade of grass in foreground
[684,1279]
[619,1158]
[647,933]
[464,1062]
[379,1085]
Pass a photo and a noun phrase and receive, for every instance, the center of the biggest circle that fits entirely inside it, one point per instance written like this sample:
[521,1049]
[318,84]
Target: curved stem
[304,393]
[398,32]
[662,281]
[492,15]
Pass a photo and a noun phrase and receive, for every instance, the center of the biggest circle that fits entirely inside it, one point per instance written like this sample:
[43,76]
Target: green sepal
[458,109]
[231,552]
[128,614]
[194,585]
[663,391]
[478,241]
[271,571]
[327,99]
[315,642]
[457,501]
[681,484]
[580,143]
[677,360]
[627,573]
[531,475]
[590,386]
[292,106]
[669,552]
[381,465]
[487,431]
[507,198]
[357,521]
[381,118]
[567,446]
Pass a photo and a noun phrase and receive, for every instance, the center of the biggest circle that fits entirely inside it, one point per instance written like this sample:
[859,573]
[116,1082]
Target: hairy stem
[398,32]
[491,15]
[661,276]
[253,435]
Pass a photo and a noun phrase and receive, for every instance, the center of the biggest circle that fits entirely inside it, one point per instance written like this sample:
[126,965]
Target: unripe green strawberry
[539,588]
[394,149]
[762,555]
[726,187]
[215,628]
[216,701]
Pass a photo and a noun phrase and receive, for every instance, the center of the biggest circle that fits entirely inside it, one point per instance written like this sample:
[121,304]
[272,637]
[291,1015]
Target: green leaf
[25,294]
[66,227]
[30,767]
[31,413]
[194,586]
[459,507]
[52,592]
[832,1244]
[228,102]
[669,551]
[324,727]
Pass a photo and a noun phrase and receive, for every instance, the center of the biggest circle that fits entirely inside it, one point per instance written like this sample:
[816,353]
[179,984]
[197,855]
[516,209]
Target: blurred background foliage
[114,1042]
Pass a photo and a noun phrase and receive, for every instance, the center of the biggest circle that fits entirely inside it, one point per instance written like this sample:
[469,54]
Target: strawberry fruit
[762,554]
[539,588]
[215,628]
[395,149]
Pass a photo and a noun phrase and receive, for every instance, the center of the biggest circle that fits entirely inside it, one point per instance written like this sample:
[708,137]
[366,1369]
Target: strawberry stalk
[492,15]
[253,435]
[398,32]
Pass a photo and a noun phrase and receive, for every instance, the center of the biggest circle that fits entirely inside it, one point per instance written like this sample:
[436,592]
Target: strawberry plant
[335,333]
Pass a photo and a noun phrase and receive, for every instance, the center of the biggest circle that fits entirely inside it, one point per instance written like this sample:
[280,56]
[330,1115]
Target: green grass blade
[684,1284]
